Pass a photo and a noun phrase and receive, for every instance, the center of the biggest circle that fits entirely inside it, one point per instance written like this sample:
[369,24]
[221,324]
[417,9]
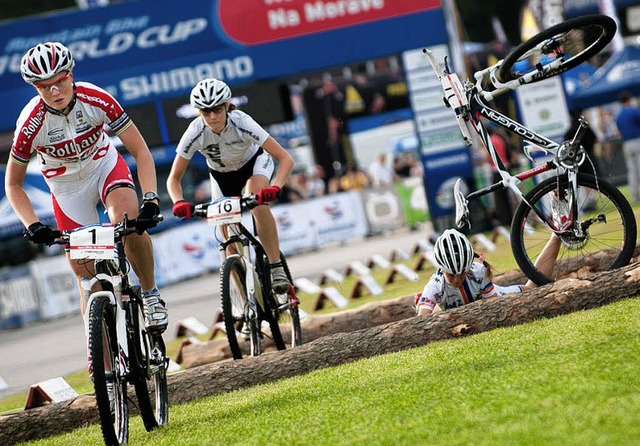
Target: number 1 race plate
[92,242]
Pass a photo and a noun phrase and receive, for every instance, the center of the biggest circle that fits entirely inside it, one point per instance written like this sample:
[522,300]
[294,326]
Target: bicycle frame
[240,235]
[467,101]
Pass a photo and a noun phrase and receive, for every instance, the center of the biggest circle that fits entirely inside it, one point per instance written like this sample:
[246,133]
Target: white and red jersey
[71,146]
[229,151]
[476,285]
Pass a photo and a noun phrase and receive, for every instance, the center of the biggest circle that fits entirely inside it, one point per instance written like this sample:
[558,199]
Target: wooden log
[562,297]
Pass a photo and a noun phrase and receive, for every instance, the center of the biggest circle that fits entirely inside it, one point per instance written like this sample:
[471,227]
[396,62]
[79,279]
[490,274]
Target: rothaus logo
[94,99]
[70,148]
[33,124]
[513,126]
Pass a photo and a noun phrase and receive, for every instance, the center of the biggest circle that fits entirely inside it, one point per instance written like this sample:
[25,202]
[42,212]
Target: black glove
[41,234]
[148,216]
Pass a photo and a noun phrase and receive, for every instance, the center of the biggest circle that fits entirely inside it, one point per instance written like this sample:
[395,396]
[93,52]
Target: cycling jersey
[476,286]
[73,144]
[77,159]
[229,151]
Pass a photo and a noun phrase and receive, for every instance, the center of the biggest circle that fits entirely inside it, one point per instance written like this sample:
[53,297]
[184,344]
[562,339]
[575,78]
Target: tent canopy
[621,72]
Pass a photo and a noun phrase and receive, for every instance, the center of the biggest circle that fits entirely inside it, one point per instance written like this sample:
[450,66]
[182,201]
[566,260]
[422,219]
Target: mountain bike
[251,309]
[120,350]
[586,212]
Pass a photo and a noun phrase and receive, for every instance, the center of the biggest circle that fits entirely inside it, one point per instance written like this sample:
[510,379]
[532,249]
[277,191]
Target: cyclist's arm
[178,168]
[136,145]
[18,198]
[285,161]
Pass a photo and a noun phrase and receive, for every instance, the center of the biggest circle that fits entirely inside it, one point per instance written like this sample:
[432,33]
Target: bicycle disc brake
[462,206]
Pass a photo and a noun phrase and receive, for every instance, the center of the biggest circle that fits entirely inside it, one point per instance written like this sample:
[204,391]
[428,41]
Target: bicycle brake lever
[462,206]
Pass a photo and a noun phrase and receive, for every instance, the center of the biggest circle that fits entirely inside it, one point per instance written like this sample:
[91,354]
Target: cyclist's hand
[147,217]
[268,194]
[41,234]
[183,209]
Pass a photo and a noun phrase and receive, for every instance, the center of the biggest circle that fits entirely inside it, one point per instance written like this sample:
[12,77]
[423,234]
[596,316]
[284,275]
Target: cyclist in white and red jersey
[239,154]
[64,128]
[459,280]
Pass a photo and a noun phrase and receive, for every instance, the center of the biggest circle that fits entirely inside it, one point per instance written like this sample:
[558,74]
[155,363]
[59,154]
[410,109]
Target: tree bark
[562,297]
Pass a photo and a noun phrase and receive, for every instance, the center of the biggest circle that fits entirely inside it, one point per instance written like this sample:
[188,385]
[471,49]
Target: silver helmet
[453,252]
[44,61]
[209,93]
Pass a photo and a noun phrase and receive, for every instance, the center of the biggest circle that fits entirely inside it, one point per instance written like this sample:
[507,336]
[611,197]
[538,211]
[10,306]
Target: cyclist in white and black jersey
[240,155]
[459,280]
[64,128]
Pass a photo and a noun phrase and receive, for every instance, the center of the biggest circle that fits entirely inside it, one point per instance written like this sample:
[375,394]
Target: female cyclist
[63,126]
[239,154]
[459,280]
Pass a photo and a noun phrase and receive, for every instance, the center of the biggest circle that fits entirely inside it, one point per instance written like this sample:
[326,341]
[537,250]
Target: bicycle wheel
[289,313]
[573,41]
[110,388]
[235,302]
[150,372]
[604,227]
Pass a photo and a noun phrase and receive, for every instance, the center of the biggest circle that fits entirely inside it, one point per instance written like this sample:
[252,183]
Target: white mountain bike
[586,212]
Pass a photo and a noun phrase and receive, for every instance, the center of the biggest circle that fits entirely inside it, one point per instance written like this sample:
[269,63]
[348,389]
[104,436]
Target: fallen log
[562,297]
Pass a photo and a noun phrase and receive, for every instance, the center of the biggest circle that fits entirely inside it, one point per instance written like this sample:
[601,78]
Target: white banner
[338,217]
[185,251]
[58,289]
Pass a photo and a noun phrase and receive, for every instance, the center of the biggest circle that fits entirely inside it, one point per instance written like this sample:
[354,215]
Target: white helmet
[209,93]
[453,252]
[44,61]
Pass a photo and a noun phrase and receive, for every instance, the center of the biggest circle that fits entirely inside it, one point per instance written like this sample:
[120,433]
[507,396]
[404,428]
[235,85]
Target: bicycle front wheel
[289,312]
[235,302]
[110,388]
[572,42]
[602,236]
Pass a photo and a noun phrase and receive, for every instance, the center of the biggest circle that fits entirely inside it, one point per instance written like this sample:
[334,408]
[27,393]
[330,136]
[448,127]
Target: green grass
[570,380]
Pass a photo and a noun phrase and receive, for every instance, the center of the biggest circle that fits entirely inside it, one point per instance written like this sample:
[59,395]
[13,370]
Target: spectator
[316,186]
[354,178]
[380,173]
[628,122]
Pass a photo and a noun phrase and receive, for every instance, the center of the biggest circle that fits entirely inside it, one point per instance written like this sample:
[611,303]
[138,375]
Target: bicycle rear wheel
[110,388]
[150,372]
[605,226]
[235,302]
[573,41]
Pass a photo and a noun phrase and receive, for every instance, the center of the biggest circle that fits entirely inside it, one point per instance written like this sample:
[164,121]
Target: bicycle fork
[115,299]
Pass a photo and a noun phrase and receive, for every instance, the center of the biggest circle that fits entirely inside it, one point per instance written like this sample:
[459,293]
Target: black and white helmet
[453,252]
[209,93]
[44,61]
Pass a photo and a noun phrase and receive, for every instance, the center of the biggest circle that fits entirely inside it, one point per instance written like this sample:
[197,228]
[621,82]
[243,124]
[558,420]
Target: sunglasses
[49,86]
[218,109]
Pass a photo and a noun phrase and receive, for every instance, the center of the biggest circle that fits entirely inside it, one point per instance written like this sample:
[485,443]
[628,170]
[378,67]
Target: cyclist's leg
[268,232]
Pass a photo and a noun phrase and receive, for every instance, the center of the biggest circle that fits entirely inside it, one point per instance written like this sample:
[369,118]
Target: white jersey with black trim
[476,286]
[73,145]
[229,151]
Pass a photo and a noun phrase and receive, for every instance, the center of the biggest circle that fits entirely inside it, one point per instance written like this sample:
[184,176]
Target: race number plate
[224,210]
[92,242]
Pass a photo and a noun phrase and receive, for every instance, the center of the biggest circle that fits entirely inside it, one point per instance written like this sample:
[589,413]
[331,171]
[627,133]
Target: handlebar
[246,203]
[125,227]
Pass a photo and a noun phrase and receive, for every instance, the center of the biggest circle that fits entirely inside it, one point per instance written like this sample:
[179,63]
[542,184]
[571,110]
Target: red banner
[253,22]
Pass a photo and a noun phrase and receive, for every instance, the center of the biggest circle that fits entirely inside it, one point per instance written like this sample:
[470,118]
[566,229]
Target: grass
[570,380]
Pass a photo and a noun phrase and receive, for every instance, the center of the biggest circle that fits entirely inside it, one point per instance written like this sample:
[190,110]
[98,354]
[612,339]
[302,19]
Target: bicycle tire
[154,405]
[102,336]
[582,38]
[596,197]
[235,298]
[289,319]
